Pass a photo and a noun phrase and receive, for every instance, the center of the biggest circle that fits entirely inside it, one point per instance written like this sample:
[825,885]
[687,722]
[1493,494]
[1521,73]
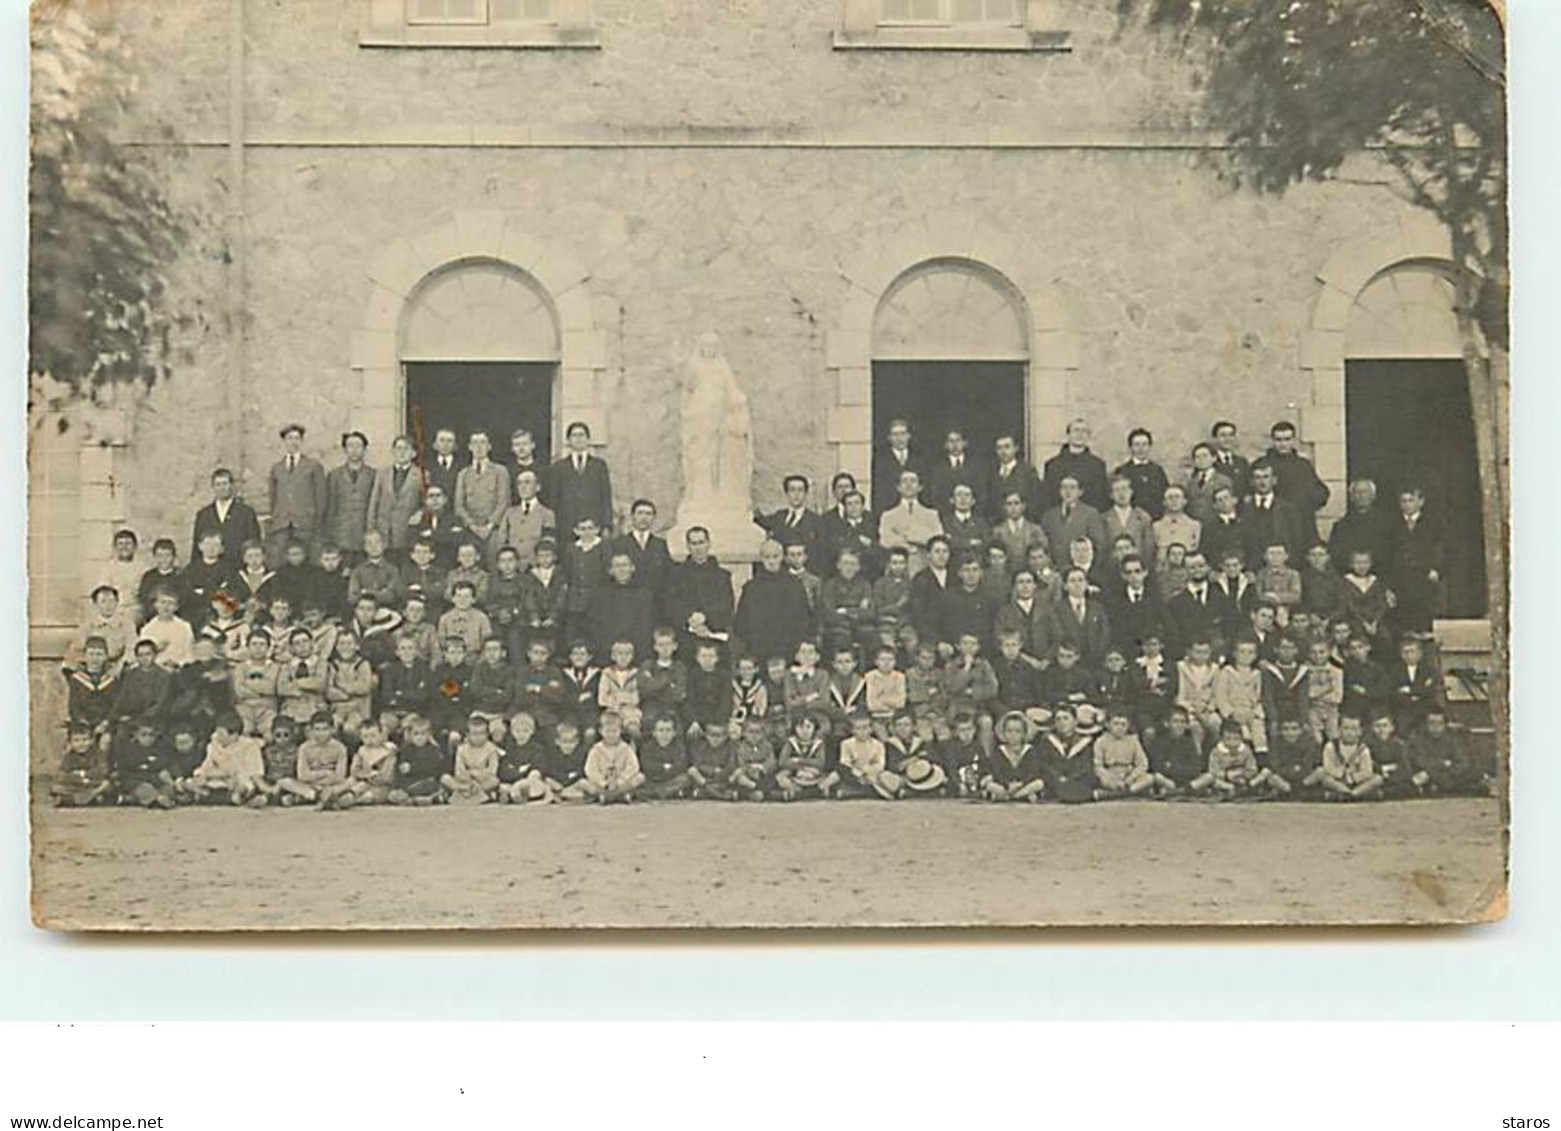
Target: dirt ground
[807,864]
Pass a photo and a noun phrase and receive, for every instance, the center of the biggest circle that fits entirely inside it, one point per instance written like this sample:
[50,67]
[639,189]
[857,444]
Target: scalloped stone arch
[478,237]
[873,272]
[1418,241]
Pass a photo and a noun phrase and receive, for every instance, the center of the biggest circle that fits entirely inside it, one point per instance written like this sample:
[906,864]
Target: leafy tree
[1302,90]
[102,229]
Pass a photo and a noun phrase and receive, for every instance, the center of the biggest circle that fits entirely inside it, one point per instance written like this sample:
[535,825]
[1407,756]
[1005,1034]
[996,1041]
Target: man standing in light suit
[482,495]
[297,496]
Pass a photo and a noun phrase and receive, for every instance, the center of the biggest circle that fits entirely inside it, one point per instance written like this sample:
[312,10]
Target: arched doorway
[479,349]
[950,350]
[1407,415]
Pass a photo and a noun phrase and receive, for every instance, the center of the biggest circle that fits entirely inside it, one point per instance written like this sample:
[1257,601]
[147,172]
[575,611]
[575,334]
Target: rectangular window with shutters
[480,23]
[951,13]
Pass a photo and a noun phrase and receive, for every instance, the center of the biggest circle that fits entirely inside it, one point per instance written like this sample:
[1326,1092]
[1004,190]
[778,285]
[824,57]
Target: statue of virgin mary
[717,444]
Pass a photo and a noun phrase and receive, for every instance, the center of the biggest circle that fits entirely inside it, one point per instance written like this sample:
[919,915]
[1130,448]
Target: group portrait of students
[459,628]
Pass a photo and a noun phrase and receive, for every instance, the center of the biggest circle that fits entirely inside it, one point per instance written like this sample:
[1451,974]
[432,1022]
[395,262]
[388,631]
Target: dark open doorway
[981,398]
[1410,422]
[492,396]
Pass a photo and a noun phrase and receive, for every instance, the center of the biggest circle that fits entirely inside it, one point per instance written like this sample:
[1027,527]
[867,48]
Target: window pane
[447,11]
[520,11]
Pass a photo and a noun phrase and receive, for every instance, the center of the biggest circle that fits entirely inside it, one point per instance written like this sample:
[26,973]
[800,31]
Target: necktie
[579,463]
[525,507]
[292,463]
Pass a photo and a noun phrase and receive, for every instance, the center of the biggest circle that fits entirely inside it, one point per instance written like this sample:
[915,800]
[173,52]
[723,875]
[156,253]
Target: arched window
[479,348]
[950,349]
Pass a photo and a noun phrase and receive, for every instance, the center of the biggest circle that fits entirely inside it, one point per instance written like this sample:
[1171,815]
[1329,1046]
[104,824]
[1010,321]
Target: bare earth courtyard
[808,864]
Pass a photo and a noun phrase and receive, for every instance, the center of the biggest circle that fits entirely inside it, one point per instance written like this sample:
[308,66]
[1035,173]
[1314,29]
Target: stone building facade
[583,187]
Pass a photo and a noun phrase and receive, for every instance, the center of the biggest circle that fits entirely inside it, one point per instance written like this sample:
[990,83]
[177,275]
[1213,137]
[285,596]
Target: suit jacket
[1019,542]
[836,534]
[347,506]
[1296,479]
[1139,527]
[241,526]
[1237,469]
[444,477]
[391,509]
[1240,599]
[886,476]
[651,564]
[574,495]
[1022,478]
[1091,636]
[808,530]
[481,497]
[1200,496]
[967,536]
[1132,622]
[524,531]
[1412,554]
[297,496]
[1088,468]
[1371,529]
[1149,484]
[1217,537]
[1282,522]
[1191,619]
[1035,628]
[943,477]
[693,588]
[1060,530]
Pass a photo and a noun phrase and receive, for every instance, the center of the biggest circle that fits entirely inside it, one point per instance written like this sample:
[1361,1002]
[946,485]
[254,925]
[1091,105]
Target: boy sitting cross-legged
[423,764]
[564,767]
[372,774]
[802,767]
[280,758]
[323,764]
[1233,769]
[754,773]
[663,761]
[612,770]
[863,763]
[475,776]
[143,768]
[1296,756]
[1012,772]
[82,777]
[521,763]
[1121,766]
[712,760]
[1348,770]
[233,768]
[1174,758]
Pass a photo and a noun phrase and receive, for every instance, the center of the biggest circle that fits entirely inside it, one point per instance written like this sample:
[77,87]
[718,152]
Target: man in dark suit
[1365,526]
[523,457]
[297,496]
[1271,518]
[646,549]
[231,518]
[1228,460]
[1135,610]
[1080,621]
[1010,475]
[1415,562]
[1147,477]
[854,529]
[579,485]
[1295,479]
[954,468]
[1198,612]
[890,462]
[1224,530]
[794,523]
[1075,459]
[444,466]
[437,524]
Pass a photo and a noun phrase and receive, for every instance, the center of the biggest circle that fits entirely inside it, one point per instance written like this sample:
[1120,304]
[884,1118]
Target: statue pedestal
[733,536]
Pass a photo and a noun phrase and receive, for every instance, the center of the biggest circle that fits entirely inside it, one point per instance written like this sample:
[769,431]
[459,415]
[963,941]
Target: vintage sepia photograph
[505,464]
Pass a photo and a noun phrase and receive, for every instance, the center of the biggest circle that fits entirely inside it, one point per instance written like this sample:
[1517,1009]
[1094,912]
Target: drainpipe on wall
[234,441]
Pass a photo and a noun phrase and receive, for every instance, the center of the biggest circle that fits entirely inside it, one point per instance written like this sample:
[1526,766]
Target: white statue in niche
[717,442]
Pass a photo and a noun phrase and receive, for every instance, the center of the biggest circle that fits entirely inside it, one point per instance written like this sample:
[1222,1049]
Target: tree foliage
[1298,87]
[102,229]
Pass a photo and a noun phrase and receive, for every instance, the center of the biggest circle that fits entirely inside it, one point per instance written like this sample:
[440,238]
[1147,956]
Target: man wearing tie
[1009,475]
[1134,609]
[1227,459]
[347,492]
[953,470]
[648,551]
[1069,519]
[909,525]
[794,523]
[1205,480]
[397,497]
[1415,562]
[232,519]
[527,522]
[1271,519]
[297,496]
[482,495]
[579,485]
[445,466]
[1081,622]
[890,462]
[1200,611]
